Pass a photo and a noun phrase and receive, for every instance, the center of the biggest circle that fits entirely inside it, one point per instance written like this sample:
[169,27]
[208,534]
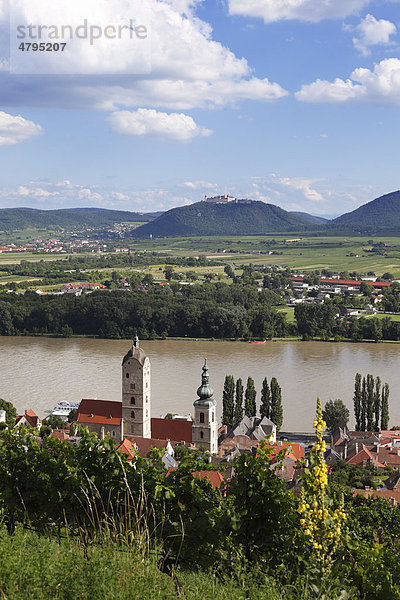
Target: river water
[39,372]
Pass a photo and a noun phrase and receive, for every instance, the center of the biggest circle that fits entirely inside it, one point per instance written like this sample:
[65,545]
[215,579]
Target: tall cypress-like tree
[385,407]
[265,408]
[370,402]
[357,401]
[238,412]
[377,403]
[363,420]
[250,398]
[276,413]
[228,396]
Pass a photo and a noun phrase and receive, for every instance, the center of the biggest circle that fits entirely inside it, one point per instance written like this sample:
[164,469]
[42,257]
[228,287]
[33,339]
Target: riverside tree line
[232,401]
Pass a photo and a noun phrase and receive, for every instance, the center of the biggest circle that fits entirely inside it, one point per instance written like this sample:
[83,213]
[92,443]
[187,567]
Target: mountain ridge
[204,218]
[382,213]
[13,219]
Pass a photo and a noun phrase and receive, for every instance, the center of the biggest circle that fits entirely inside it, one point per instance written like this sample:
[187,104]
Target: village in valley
[129,424]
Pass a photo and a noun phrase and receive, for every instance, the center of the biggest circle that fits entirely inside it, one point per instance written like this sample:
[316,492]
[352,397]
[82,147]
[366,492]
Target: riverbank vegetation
[130,531]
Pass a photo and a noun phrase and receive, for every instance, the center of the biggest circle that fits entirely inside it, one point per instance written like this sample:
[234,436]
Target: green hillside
[12,219]
[310,218]
[230,219]
[381,214]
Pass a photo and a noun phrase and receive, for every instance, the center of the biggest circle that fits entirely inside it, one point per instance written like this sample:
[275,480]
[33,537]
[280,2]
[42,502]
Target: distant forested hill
[205,218]
[12,219]
[381,214]
[311,218]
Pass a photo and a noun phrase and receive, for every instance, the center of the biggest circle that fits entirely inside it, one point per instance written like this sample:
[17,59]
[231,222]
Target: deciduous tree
[228,396]
[238,411]
[357,401]
[250,398]
[334,412]
[265,408]
[276,414]
[385,407]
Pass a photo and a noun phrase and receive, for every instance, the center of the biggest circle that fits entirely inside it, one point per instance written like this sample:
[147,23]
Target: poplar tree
[265,408]
[377,402]
[238,412]
[357,400]
[370,402]
[228,396]
[385,407]
[250,398]
[276,413]
[363,405]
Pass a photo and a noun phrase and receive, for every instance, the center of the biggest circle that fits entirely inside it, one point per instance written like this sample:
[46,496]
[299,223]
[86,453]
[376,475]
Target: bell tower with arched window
[136,406]
[204,430]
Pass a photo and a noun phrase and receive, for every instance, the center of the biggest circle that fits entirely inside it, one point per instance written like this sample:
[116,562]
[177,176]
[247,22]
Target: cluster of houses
[134,431]
[329,287]
[130,425]
[380,449]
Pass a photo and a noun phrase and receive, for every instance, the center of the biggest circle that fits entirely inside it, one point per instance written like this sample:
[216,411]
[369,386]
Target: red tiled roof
[175,430]
[101,412]
[377,284]
[59,434]
[291,450]
[214,477]
[390,434]
[31,418]
[387,456]
[388,494]
[144,445]
[363,455]
[126,447]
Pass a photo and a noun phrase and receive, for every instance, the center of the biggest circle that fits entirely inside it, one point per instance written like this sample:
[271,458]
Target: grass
[40,568]
[385,316]
[289,312]
[309,253]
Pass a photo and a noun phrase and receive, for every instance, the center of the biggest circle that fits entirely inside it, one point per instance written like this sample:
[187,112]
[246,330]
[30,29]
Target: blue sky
[292,102]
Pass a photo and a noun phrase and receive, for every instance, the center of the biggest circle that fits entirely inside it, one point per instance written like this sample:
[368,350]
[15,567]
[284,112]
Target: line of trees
[324,321]
[233,406]
[371,403]
[214,310]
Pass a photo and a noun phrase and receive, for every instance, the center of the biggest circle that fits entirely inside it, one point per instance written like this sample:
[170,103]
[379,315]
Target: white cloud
[198,185]
[144,122]
[303,185]
[16,129]
[65,194]
[380,86]
[189,69]
[371,32]
[302,10]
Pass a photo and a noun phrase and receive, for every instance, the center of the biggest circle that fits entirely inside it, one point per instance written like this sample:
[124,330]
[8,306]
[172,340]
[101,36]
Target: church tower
[136,406]
[205,415]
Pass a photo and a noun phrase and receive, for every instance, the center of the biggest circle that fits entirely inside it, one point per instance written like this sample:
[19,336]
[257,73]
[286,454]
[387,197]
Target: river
[39,372]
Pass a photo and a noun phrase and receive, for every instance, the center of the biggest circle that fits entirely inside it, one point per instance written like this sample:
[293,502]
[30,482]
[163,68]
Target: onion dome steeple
[205,391]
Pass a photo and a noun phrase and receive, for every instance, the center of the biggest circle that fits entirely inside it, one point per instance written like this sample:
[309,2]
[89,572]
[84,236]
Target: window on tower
[132,414]
[133,401]
[127,375]
[132,386]
[213,417]
[201,417]
[201,435]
